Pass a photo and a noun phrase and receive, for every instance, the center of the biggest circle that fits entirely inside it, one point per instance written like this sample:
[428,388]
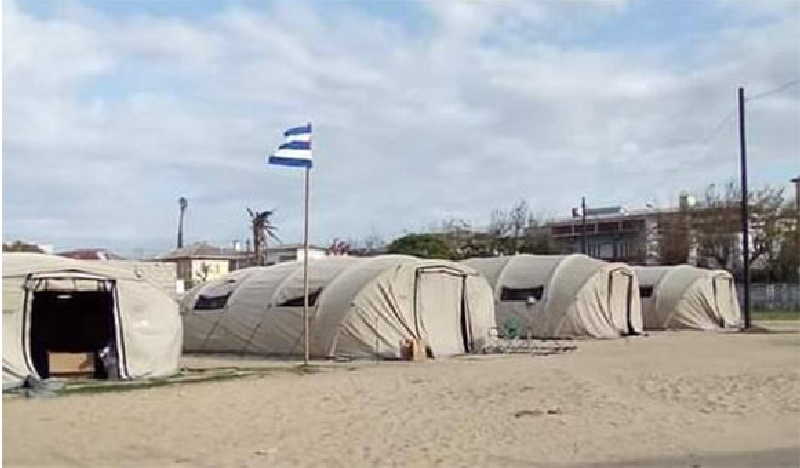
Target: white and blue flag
[296,151]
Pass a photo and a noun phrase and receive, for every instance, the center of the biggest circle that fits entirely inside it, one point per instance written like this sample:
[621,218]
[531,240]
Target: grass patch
[187,376]
[183,377]
[776,314]
[125,386]
[304,369]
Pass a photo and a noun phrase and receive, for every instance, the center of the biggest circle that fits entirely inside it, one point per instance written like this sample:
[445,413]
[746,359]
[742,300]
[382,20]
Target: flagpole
[305,272]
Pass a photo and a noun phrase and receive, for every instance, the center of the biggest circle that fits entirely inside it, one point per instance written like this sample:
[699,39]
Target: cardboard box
[71,364]
[412,350]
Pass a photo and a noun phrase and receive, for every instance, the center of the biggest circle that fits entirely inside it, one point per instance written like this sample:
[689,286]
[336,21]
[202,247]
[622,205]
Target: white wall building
[293,253]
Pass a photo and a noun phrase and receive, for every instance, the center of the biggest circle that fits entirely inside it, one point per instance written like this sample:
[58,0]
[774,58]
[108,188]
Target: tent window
[298,301]
[211,302]
[645,291]
[521,294]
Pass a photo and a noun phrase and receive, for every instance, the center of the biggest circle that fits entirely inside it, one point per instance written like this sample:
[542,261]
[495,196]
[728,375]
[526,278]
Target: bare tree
[782,245]
[537,239]
[716,226]
[339,247]
[674,237]
[517,230]
[458,235]
[374,242]
[518,218]
[786,266]
[370,245]
[498,231]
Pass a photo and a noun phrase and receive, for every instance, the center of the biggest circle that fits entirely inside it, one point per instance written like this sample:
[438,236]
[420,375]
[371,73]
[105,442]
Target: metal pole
[305,272]
[796,182]
[183,204]
[745,213]
[583,215]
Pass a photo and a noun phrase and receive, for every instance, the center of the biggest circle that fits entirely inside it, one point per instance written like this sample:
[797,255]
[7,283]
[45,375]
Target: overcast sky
[421,111]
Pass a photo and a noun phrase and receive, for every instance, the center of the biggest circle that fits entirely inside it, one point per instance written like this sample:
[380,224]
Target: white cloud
[110,119]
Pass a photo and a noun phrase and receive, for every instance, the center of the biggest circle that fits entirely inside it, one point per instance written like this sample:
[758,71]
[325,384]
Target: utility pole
[183,203]
[583,216]
[796,182]
[745,213]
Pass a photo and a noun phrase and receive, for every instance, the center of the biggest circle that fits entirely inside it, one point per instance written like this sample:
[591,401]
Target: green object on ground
[512,328]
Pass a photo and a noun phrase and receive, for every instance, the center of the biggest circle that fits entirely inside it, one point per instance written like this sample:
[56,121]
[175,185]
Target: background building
[612,234]
[293,253]
[201,262]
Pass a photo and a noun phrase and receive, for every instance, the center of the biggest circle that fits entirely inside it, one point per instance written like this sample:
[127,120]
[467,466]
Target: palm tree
[262,229]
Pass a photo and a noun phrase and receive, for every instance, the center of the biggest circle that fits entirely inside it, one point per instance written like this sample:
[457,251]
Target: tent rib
[270,304]
[324,296]
[551,284]
[497,287]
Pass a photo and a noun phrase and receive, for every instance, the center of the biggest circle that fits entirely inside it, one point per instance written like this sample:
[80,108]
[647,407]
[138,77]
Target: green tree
[19,246]
[421,245]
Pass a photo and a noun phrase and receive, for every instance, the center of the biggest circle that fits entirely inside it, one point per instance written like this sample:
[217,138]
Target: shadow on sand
[772,458]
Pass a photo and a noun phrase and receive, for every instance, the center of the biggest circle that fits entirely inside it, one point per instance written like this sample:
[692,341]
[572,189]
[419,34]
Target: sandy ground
[670,399]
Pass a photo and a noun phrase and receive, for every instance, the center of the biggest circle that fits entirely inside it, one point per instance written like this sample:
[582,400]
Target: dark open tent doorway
[66,319]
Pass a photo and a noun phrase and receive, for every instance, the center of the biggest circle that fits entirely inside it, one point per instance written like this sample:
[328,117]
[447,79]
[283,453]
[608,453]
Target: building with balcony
[613,234]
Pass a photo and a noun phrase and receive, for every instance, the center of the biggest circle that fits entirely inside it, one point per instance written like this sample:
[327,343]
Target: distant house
[293,253]
[31,247]
[201,262]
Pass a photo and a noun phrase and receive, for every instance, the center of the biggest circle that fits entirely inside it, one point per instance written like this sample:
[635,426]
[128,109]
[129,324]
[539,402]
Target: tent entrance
[71,327]
[620,298]
[724,300]
[441,310]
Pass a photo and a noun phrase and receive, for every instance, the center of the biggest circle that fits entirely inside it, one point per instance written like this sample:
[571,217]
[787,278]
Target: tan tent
[687,297]
[562,295]
[56,304]
[359,307]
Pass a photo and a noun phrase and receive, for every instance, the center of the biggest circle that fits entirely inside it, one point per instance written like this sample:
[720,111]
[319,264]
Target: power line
[718,128]
[721,125]
[777,90]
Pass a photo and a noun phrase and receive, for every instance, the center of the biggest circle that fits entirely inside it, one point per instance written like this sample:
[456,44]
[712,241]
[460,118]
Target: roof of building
[627,214]
[202,250]
[91,254]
